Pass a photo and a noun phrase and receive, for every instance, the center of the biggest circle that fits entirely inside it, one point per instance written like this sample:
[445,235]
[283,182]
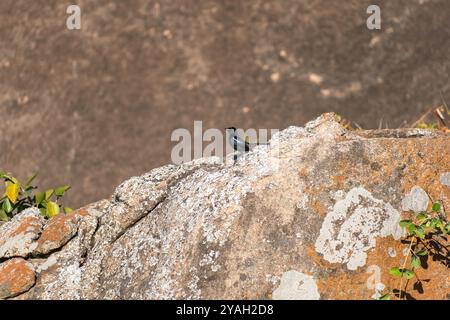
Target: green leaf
[43,212]
[412,228]
[436,207]
[11,179]
[395,271]
[420,232]
[415,262]
[29,190]
[39,197]
[386,296]
[5,176]
[3,216]
[30,179]
[49,193]
[61,191]
[405,223]
[447,227]
[7,207]
[52,209]
[421,217]
[67,210]
[408,274]
[422,253]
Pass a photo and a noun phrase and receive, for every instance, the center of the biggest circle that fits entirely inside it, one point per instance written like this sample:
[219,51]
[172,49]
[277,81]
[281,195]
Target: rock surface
[16,276]
[139,69]
[313,215]
[57,232]
[19,235]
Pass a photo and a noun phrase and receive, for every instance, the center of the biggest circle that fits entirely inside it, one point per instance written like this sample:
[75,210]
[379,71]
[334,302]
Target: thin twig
[380,125]
[403,268]
[357,125]
[443,101]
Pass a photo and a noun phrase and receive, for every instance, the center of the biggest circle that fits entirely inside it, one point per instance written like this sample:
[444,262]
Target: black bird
[236,142]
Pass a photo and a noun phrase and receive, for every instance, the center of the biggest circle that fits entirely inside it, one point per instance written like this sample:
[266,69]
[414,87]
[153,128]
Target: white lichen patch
[379,289]
[295,285]
[339,195]
[416,201]
[392,252]
[445,179]
[210,260]
[350,229]
[302,202]
[273,279]
[47,264]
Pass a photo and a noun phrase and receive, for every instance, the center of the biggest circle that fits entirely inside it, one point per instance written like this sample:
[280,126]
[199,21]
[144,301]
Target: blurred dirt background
[92,107]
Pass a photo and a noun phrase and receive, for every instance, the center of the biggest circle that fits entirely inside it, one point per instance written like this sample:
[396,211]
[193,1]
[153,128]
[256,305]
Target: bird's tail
[258,143]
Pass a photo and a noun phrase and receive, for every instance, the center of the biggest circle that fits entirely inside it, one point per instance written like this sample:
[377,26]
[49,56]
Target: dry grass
[434,118]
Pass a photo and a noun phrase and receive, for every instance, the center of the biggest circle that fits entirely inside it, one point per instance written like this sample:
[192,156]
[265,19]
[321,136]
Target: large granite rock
[313,215]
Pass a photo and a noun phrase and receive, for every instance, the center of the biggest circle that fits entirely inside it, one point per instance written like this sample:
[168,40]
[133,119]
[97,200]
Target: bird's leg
[237,155]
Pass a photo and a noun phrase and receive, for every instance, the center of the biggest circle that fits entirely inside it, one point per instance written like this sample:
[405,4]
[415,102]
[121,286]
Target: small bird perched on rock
[239,144]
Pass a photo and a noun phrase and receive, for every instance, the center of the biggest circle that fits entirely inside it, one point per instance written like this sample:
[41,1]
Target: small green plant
[425,125]
[425,233]
[18,197]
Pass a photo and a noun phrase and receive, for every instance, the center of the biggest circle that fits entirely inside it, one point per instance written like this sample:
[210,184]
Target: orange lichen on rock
[27,225]
[16,276]
[18,236]
[57,232]
[82,212]
[370,281]
[426,172]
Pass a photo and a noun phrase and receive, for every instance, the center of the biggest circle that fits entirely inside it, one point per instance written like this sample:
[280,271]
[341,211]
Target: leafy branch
[18,197]
[425,231]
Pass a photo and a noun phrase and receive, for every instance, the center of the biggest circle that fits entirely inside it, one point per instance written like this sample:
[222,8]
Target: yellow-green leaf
[40,196]
[68,210]
[421,217]
[6,206]
[404,223]
[61,191]
[12,191]
[30,179]
[420,232]
[52,209]
[422,253]
[3,216]
[415,262]
[48,194]
[43,212]
[387,296]
[408,274]
[395,271]
[14,180]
